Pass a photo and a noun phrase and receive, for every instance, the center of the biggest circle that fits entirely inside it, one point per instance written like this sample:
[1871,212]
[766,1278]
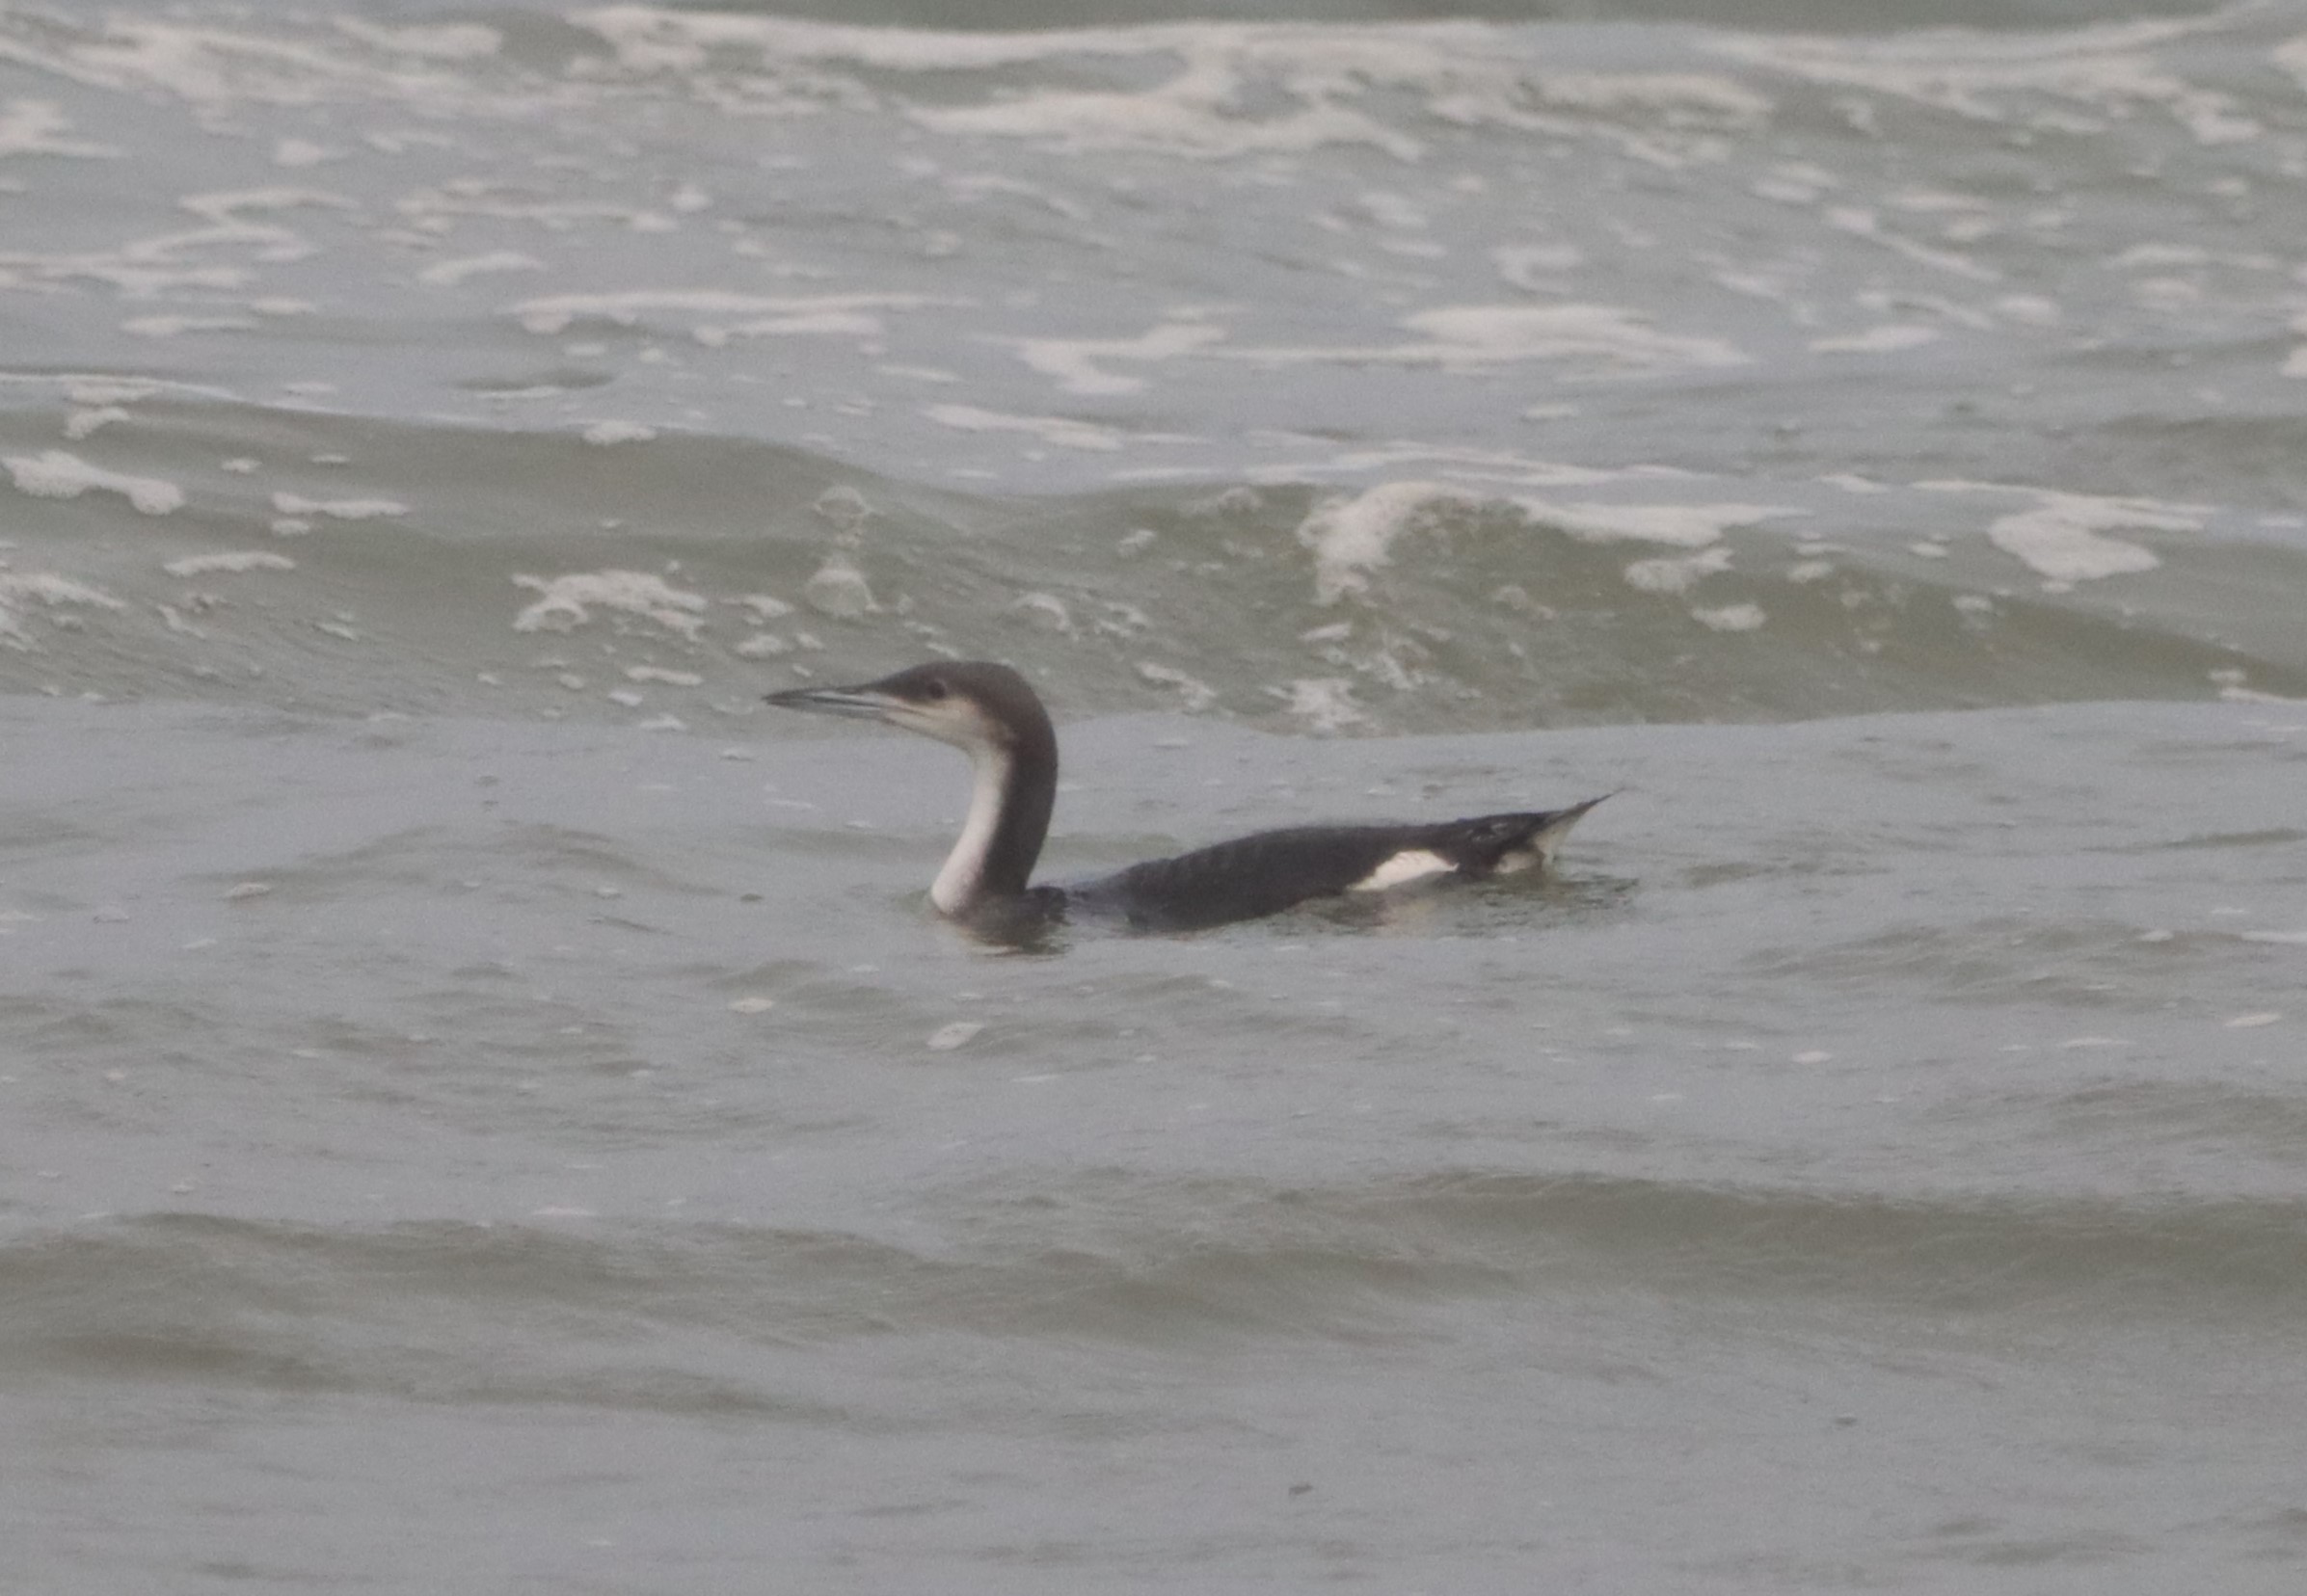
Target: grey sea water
[484,1105]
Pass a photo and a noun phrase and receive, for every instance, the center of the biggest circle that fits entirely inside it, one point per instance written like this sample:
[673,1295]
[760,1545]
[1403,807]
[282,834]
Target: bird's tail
[1501,844]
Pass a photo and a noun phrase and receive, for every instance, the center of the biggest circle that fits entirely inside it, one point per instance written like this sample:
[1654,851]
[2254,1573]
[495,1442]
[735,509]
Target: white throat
[963,877]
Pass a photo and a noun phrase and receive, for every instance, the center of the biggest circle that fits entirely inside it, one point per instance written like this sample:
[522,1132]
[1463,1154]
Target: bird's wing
[1250,876]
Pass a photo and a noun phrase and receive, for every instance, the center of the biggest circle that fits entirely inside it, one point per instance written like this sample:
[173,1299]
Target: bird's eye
[933,689]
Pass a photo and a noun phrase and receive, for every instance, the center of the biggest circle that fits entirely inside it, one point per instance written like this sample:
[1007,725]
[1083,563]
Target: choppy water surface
[483,1107]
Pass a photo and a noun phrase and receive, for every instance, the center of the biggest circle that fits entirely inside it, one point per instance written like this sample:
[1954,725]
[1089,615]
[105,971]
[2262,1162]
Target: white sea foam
[35,127]
[57,474]
[838,589]
[81,423]
[1077,363]
[1350,536]
[2000,77]
[1060,430]
[651,38]
[1682,525]
[554,314]
[217,64]
[1665,95]
[437,42]
[605,433]
[1209,91]
[110,391]
[2292,56]
[568,601]
[351,509]
[1877,340]
[1678,575]
[235,562]
[1188,115]
[447,274]
[299,154]
[1194,693]
[1325,704]
[223,208]
[1197,110]
[2295,364]
[855,324]
[1532,265]
[175,327]
[1730,618]
[1860,223]
[1465,464]
[1047,611]
[17,589]
[1487,334]
[1475,338]
[2061,538]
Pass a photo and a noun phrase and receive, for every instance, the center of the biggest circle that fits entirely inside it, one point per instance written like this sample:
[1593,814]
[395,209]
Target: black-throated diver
[990,713]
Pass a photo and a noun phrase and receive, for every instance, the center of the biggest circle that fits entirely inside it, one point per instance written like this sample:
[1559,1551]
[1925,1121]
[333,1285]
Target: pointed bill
[850,703]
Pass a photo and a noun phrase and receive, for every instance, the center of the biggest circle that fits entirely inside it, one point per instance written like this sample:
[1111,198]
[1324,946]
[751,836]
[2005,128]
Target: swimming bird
[993,715]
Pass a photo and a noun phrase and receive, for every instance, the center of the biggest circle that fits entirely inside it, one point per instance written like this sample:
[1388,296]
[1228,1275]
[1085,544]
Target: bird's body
[991,714]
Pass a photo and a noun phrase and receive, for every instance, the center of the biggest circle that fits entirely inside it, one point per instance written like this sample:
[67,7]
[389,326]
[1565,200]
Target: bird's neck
[1010,808]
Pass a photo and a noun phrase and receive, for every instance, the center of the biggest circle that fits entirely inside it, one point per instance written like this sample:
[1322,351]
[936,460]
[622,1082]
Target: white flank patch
[57,474]
[1409,864]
